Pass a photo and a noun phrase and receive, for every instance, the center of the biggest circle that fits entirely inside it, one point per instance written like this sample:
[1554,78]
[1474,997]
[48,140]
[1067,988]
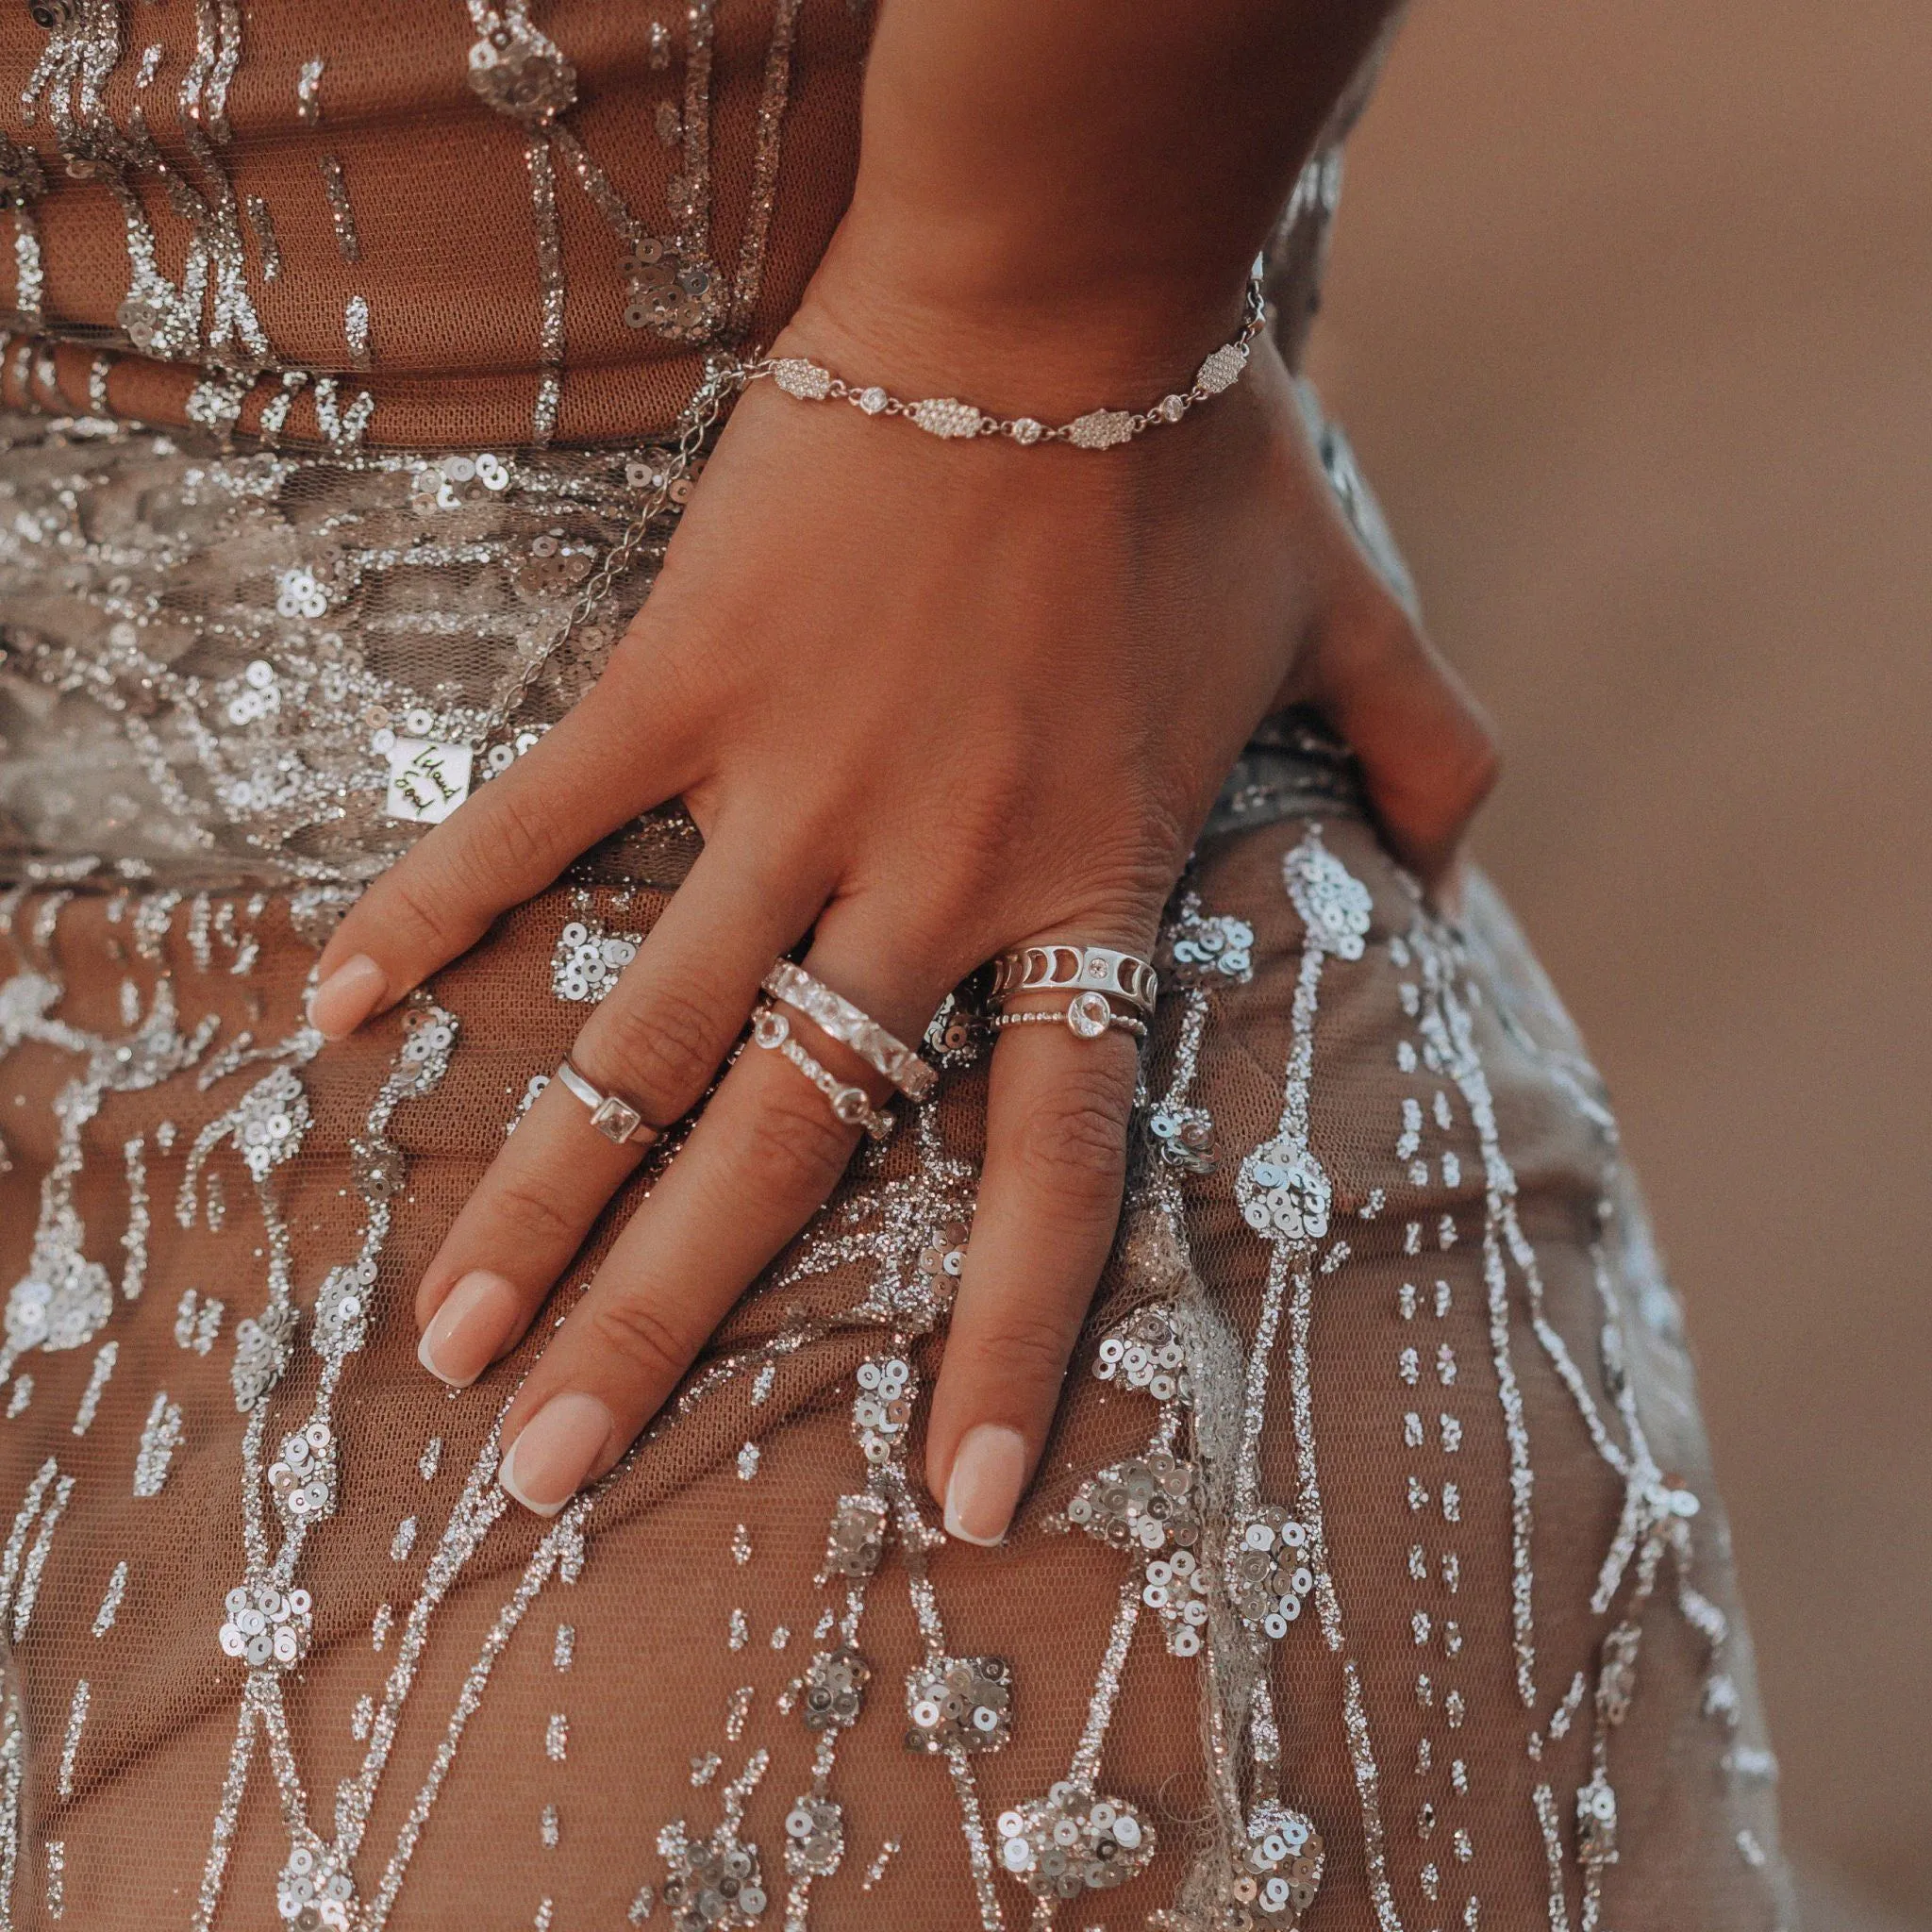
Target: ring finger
[1048,1206]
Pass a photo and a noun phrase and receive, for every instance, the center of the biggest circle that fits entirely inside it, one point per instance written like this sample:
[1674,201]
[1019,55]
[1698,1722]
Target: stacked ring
[1086,1015]
[837,1017]
[1096,977]
[1057,968]
[850,1105]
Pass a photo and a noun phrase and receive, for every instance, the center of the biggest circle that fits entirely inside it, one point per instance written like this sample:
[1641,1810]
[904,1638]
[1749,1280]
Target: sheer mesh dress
[1373,1577]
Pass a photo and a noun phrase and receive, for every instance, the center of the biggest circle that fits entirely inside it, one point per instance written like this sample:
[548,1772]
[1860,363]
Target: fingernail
[561,1444]
[347,997]
[467,1333]
[989,1472]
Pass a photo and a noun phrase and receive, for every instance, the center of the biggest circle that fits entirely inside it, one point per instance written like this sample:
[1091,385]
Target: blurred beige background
[1631,323]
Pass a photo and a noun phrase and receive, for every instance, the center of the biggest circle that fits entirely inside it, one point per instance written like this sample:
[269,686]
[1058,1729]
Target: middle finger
[655,1040]
[767,1151]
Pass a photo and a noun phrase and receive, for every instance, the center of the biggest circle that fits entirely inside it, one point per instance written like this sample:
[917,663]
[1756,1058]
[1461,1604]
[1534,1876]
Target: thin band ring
[612,1116]
[851,1105]
[1087,1016]
[1061,967]
[836,1016]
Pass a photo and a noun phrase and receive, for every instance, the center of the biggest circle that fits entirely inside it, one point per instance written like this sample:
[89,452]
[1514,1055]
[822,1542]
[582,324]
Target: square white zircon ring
[612,1116]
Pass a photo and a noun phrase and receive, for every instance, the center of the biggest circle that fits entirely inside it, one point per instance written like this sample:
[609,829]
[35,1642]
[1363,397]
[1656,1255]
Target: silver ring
[1073,969]
[851,1105]
[1087,1016]
[835,1015]
[612,1116]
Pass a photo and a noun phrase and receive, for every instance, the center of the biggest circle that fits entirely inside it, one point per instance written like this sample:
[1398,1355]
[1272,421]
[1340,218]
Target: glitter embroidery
[1216,1548]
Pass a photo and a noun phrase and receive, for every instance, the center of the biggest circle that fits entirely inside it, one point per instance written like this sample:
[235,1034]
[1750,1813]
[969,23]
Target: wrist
[1005,328]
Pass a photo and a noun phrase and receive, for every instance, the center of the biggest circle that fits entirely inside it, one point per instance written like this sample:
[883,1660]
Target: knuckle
[477,882]
[522,836]
[1028,1349]
[663,1046]
[1076,1141]
[1123,881]
[1460,771]
[531,1212]
[420,914]
[631,1331]
[793,1147]
[1369,631]
[1167,811]
[1481,765]
[990,812]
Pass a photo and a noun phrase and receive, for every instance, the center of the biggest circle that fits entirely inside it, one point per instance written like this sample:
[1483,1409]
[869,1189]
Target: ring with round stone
[1064,968]
[1087,1016]
[851,1105]
[612,1116]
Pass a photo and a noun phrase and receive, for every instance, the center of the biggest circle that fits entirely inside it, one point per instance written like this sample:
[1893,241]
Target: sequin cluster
[961,1702]
[267,1628]
[1069,1842]
[589,958]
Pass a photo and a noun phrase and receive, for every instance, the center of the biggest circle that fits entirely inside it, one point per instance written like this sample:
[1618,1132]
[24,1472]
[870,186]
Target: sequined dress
[1373,1577]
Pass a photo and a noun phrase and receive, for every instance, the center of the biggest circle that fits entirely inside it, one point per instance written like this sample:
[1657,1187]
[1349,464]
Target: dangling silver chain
[725,375]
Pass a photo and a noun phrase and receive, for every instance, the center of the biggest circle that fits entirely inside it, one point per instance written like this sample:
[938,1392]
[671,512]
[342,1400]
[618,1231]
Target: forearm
[1079,184]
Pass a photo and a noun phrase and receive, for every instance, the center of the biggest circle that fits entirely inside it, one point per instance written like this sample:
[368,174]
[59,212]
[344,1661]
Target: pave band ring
[835,1015]
[1073,969]
[615,1118]
[852,1106]
[1087,1016]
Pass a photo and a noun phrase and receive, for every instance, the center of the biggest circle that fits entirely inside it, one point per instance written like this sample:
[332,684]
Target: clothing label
[426,781]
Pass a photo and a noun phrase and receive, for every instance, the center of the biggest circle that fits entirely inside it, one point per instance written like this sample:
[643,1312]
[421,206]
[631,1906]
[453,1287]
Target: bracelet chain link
[949,417]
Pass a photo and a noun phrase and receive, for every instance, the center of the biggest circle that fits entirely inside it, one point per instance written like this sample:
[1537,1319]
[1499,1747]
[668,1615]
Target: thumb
[1427,752]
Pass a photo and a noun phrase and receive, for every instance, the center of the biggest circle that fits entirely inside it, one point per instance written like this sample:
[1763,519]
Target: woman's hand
[925,701]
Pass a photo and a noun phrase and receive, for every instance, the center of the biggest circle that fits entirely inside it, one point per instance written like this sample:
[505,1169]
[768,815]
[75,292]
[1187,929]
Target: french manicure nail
[559,1445]
[467,1333]
[347,997]
[989,1472]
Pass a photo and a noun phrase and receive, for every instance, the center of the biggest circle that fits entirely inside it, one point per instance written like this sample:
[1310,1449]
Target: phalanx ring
[1073,969]
[850,1105]
[613,1117]
[836,1016]
[1087,1015]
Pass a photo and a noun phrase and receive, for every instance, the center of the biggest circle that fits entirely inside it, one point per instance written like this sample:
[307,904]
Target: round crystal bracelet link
[950,418]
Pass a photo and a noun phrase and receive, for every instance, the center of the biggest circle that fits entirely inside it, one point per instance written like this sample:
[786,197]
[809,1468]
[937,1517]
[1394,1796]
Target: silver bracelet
[850,1025]
[946,416]
[852,1106]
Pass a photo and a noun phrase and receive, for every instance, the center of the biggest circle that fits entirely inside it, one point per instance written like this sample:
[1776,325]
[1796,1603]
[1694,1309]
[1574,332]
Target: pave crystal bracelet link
[949,417]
